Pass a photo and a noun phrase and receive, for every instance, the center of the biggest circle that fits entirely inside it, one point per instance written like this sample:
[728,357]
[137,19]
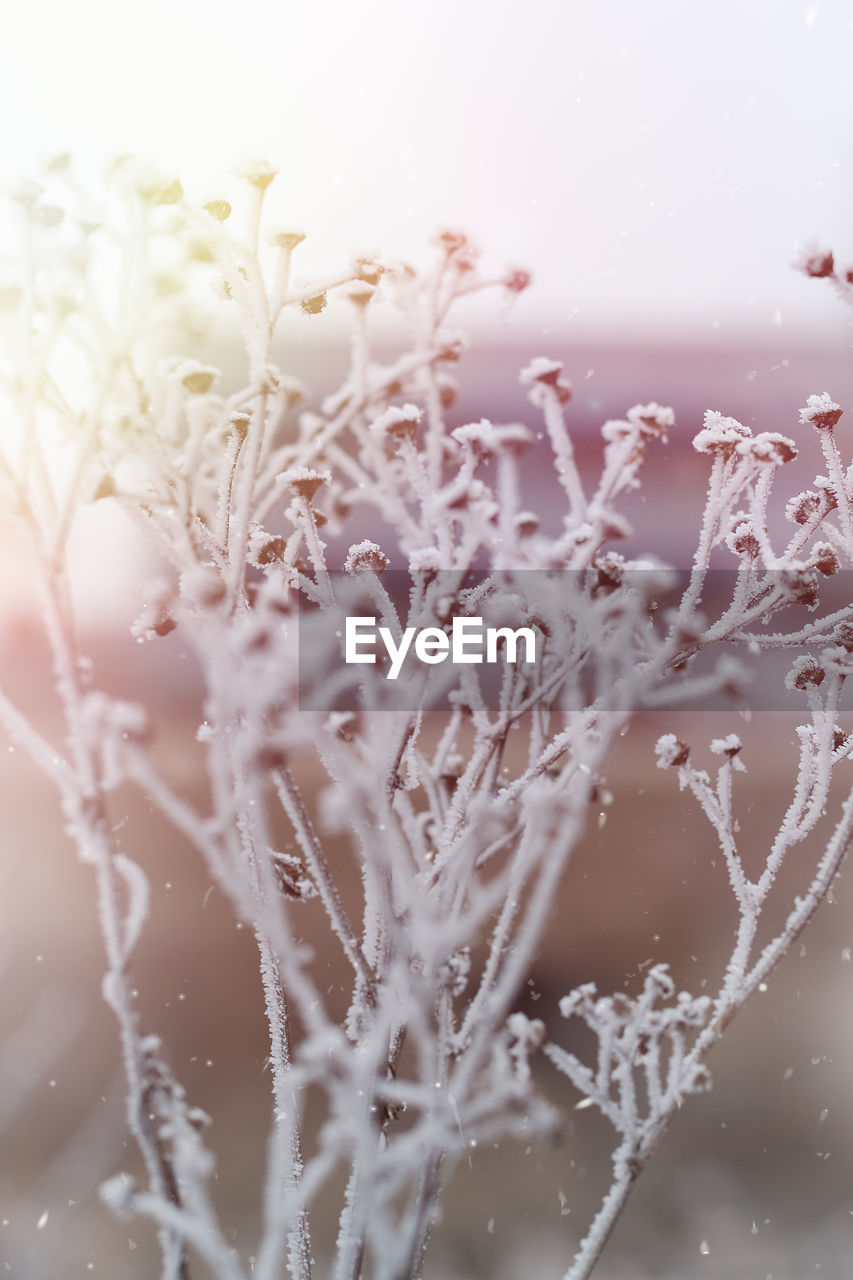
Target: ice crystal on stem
[461,838]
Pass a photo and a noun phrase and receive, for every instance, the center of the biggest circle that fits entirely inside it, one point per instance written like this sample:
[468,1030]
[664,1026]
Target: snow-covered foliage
[460,837]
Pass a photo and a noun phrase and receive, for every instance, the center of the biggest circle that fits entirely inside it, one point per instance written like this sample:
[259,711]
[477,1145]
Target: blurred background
[656,167]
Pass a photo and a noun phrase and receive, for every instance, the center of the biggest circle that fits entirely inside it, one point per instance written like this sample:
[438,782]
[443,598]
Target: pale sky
[653,163]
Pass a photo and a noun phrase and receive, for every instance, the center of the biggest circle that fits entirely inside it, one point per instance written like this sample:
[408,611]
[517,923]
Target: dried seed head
[288,240]
[197,378]
[517,280]
[272,551]
[825,558]
[258,173]
[843,634]
[821,412]
[526,523]
[478,437]
[730,746]
[609,571]
[306,481]
[743,542]
[451,241]
[671,752]
[369,270]
[805,672]
[400,423]
[513,438]
[448,390]
[801,508]
[360,293]
[815,262]
[653,419]
[450,348]
[543,372]
[199,251]
[291,877]
[218,209]
[366,556]
[164,624]
[720,434]
[826,489]
[800,584]
[769,446]
[314,306]
[171,193]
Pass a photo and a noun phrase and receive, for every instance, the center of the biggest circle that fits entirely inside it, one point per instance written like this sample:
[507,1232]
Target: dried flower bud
[360,293]
[288,240]
[477,437]
[451,241]
[837,658]
[815,262]
[742,541]
[826,489]
[366,556]
[198,251]
[671,752]
[305,481]
[543,372]
[517,280]
[291,877]
[805,672]
[369,270]
[451,346]
[164,624]
[513,438]
[821,412]
[843,634]
[825,559]
[314,306]
[653,419]
[197,378]
[526,523]
[171,194]
[769,446]
[609,572]
[448,390]
[610,525]
[400,423]
[720,434]
[801,508]
[730,746]
[218,209]
[272,552]
[258,173]
[800,584]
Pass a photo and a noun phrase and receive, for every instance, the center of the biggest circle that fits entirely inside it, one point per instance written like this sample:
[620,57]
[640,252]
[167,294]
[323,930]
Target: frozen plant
[461,813]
